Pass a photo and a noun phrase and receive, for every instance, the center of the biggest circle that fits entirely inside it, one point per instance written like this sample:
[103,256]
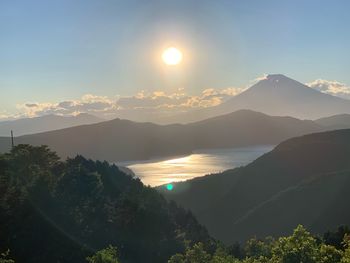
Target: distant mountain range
[341,121]
[123,140]
[304,180]
[276,95]
[45,123]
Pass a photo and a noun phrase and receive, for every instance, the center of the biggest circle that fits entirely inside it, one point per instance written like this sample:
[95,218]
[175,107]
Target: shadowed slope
[303,180]
[120,140]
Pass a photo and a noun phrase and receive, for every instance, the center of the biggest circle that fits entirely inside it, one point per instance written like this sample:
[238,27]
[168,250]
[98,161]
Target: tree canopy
[63,211]
[299,247]
[81,210]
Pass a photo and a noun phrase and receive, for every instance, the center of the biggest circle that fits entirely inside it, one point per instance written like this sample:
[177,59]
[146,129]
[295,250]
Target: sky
[107,53]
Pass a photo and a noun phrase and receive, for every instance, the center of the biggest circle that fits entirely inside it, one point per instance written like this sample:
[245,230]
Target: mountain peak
[276,77]
[280,95]
[282,82]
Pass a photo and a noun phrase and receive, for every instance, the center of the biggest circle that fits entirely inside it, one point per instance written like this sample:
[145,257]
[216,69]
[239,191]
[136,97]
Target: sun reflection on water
[204,162]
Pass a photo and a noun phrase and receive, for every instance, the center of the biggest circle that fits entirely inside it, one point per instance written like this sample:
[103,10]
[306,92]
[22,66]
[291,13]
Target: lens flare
[169,187]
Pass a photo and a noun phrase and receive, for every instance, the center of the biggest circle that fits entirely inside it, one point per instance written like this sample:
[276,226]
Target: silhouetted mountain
[304,180]
[276,95]
[341,121]
[120,140]
[246,127]
[45,123]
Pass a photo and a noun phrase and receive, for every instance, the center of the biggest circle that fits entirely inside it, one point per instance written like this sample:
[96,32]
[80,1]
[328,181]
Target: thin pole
[12,142]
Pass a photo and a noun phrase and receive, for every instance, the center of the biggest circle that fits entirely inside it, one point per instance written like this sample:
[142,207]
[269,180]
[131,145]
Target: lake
[158,172]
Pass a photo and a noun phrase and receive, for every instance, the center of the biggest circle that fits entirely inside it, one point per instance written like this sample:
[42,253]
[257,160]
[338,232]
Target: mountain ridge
[45,123]
[124,140]
[341,121]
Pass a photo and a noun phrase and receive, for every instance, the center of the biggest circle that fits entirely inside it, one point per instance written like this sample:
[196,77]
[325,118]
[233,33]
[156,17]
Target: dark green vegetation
[299,247]
[54,211]
[107,255]
[4,257]
[304,180]
[120,140]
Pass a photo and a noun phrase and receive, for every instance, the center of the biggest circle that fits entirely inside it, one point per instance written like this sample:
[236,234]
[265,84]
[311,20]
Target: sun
[172,56]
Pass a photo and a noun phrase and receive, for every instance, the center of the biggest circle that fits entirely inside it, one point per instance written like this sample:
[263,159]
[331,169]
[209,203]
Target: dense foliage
[4,257]
[55,211]
[299,247]
[107,255]
[82,211]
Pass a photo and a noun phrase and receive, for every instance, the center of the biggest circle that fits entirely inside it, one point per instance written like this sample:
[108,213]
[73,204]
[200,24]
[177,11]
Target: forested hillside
[304,180]
[62,211]
[85,211]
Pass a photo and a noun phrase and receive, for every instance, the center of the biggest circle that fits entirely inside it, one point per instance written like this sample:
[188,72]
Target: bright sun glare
[172,56]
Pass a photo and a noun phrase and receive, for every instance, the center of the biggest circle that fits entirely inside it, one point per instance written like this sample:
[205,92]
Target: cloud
[233,91]
[155,99]
[260,78]
[141,106]
[334,88]
[151,106]
[87,104]
[31,105]
[4,115]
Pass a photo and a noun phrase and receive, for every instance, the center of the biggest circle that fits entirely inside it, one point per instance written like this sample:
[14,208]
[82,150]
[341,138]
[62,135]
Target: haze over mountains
[276,95]
[123,140]
[341,121]
[45,123]
[304,180]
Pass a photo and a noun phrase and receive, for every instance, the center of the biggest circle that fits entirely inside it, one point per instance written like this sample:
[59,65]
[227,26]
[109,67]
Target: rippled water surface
[199,163]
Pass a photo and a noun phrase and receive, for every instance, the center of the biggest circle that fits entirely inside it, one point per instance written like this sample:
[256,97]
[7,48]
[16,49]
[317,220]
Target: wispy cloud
[334,88]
